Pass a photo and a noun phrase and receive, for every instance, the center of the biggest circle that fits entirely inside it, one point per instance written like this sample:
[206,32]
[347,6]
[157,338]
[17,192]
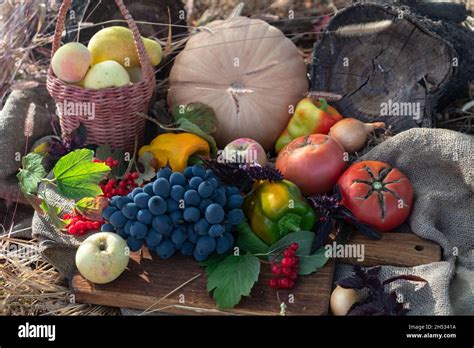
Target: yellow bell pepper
[175,149]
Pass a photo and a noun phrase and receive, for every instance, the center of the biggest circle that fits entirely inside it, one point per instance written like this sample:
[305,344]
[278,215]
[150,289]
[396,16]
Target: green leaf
[119,170]
[311,263]
[249,241]
[103,152]
[91,207]
[200,114]
[31,173]
[148,171]
[77,176]
[233,278]
[308,263]
[185,125]
[53,213]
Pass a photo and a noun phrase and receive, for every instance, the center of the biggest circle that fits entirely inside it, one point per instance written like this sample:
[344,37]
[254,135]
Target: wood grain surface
[150,283]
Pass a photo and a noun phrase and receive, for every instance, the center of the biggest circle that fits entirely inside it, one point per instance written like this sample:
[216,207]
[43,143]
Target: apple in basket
[102,257]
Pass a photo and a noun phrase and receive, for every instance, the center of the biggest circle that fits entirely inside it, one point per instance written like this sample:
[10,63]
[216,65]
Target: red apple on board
[314,163]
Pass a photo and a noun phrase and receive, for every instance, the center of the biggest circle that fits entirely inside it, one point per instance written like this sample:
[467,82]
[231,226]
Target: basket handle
[148,72]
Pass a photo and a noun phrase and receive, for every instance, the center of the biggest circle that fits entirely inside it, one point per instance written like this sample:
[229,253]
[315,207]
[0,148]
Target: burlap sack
[12,133]
[439,163]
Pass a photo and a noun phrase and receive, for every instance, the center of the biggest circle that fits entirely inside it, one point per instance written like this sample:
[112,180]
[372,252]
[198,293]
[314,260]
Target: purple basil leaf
[374,271]
[390,302]
[368,231]
[368,308]
[410,277]
[322,234]
[351,283]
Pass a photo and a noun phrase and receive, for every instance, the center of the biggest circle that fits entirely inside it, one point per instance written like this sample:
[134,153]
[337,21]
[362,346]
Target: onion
[342,299]
[352,133]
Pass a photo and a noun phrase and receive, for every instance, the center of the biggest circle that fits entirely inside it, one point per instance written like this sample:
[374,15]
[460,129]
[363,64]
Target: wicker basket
[115,121]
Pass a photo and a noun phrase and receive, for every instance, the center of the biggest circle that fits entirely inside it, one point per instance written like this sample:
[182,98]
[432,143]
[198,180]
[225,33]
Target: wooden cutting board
[178,285]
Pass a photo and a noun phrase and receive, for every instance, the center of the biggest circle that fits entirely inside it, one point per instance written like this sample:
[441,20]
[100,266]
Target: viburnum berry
[287,268]
[79,224]
[122,187]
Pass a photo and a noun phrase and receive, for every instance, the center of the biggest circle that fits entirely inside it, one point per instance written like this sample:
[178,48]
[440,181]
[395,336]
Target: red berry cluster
[286,269]
[80,224]
[114,187]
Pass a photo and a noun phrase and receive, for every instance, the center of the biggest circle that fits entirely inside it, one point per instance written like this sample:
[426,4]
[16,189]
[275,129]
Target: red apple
[314,163]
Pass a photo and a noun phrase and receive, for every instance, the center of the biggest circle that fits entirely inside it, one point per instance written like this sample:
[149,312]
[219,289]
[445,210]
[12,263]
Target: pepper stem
[324,104]
[291,226]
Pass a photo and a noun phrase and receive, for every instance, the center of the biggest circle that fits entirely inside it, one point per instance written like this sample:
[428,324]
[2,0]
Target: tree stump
[393,65]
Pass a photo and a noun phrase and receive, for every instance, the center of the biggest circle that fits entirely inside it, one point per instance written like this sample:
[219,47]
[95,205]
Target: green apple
[106,74]
[102,257]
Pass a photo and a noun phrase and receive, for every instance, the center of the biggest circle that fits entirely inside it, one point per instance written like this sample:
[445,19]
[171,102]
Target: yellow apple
[106,74]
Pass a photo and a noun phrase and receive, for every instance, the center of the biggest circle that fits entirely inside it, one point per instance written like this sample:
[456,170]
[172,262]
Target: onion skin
[342,300]
[352,133]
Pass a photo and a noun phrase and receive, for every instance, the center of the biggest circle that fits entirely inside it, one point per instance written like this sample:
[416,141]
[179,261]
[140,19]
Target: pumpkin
[247,71]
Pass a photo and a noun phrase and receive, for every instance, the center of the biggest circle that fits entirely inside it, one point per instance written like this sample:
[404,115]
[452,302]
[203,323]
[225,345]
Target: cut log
[393,65]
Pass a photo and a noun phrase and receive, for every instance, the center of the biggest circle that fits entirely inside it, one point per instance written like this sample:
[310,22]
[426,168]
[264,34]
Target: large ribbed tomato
[377,194]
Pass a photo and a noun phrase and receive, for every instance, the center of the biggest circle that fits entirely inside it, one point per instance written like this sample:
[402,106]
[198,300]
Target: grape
[202,227]
[130,196]
[177,178]
[122,201]
[229,237]
[164,173]
[179,236]
[177,192]
[235,201]
[121,233]
[142,200]
[153,238]
[191,197]
[117,219]
[162,224]
[235,216]
[209,174]
[205,189]
[214,214]
[214,182]
[136,191]
[177,218]
[145,216]
[191,214]
[157,205]
[194,182]
[223,245]
[232,190]
[127,226]
[107,228]
[199,257]
[134,244]
[187,248]
[192,234]
[199,171]
[188,172]
[165,249]
[130,211]
[204,204]
[228,226]
[148,188]
[216,230]
[114,200]
[138,230]
[172,205]
[108,211]
[219,196]
[161,187]
[205,245]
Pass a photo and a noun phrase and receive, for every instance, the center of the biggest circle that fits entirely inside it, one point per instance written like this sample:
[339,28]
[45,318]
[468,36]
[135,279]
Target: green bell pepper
[276,209]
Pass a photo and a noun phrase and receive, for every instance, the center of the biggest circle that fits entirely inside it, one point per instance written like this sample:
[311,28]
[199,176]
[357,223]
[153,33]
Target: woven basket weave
[115,121]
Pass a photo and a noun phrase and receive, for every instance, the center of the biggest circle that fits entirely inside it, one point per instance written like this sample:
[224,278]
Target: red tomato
[377,194]
[313,163]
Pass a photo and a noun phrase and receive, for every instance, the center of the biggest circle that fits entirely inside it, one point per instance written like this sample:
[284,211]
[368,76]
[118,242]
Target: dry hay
[31,286]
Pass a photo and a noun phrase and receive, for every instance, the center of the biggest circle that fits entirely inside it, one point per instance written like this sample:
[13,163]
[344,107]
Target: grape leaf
[53,213]
[77,176]
[200,114]
[308,263]
[103,152]
[233,278]
[31,173]
[148,171]
[249,241]
[188,126]
[91,207]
